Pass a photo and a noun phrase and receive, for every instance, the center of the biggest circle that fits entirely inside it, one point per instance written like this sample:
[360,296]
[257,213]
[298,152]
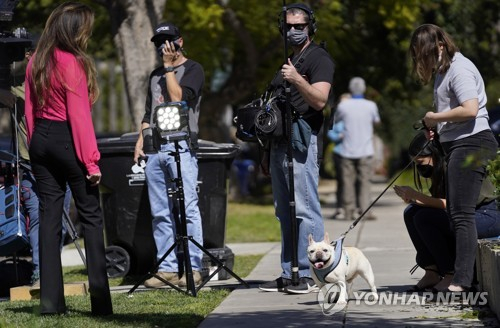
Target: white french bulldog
[352,263]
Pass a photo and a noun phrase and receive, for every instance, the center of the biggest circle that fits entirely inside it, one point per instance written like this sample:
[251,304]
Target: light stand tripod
[73,234]
[182,238]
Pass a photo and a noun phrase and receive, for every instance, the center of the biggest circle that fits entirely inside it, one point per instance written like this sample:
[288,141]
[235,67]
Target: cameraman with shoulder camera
[309,72]
[178,79]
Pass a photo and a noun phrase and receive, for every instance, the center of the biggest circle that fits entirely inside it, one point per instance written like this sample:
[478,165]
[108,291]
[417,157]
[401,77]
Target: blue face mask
[297,37]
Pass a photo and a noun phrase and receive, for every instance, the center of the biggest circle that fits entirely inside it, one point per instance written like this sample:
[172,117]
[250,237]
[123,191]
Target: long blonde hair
[424,51]
[68,28]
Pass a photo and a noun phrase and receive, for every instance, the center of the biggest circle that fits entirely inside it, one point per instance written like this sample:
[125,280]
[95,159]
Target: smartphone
[160,48]
[176,46]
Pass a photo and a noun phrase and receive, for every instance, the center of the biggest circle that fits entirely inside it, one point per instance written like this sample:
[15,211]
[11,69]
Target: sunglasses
[299,26]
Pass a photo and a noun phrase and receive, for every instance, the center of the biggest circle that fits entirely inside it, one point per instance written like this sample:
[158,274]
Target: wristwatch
[169,69]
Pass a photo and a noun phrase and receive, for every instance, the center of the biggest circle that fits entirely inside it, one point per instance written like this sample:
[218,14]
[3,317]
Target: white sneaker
[306,285]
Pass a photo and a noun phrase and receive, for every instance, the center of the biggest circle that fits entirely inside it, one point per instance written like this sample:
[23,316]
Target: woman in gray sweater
[460,122]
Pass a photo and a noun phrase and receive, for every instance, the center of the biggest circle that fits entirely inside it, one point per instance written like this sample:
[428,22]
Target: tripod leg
[73,235]
[220,265]
[188,269]
[152,272]
[182,221]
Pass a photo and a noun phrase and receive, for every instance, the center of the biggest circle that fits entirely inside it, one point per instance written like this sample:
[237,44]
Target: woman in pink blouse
[60,88]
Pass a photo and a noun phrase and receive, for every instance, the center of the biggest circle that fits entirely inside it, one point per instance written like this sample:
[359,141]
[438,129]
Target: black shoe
[416,289]
[277,285]
[306,285]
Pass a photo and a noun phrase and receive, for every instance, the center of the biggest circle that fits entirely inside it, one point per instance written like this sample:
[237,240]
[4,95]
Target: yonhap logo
[329,295]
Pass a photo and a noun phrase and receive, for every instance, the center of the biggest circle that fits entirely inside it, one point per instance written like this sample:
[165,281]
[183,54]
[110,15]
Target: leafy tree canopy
[240,47]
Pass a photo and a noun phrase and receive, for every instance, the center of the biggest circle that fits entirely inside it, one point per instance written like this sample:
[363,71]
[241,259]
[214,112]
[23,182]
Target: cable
[266,119]
[18,171]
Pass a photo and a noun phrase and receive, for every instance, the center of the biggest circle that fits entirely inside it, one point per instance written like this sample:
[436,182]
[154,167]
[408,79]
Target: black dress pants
[54,164]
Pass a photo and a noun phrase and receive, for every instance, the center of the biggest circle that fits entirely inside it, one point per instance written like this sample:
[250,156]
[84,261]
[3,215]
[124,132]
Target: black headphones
[312,20]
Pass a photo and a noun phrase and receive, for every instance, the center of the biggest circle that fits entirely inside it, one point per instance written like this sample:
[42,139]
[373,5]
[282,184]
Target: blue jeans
[160,170]
[488,220]
[307,205]
[244,170]
[466,161]
[29,194]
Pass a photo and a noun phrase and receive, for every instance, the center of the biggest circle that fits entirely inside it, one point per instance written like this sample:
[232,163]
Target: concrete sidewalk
[386,244]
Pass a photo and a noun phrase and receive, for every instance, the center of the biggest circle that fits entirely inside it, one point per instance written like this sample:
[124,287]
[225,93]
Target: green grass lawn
[156,308]
[152,308]
[251,223]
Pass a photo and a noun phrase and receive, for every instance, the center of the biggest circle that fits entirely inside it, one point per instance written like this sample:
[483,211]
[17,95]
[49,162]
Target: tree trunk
[237,87]
[132,24]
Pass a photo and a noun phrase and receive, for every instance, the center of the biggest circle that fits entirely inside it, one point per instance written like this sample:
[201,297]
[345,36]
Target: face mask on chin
[297,37]
[425,170]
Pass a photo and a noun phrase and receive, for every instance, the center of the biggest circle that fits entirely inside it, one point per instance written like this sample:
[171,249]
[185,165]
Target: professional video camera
[13,45]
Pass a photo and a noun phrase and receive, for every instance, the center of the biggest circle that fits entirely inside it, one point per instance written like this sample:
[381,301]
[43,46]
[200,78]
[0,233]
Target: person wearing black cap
[309,73]
[427,221]
[177,79]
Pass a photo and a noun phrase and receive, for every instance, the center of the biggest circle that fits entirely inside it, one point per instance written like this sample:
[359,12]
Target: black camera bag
[269,121]
[245,122]
[259,121]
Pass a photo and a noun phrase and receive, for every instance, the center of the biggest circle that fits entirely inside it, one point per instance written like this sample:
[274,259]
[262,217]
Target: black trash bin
[125,202]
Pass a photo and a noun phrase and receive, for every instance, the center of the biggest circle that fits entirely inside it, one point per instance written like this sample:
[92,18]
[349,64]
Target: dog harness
[325,271]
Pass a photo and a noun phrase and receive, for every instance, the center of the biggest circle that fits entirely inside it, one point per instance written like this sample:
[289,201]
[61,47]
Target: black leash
[337,243]
[342,236]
